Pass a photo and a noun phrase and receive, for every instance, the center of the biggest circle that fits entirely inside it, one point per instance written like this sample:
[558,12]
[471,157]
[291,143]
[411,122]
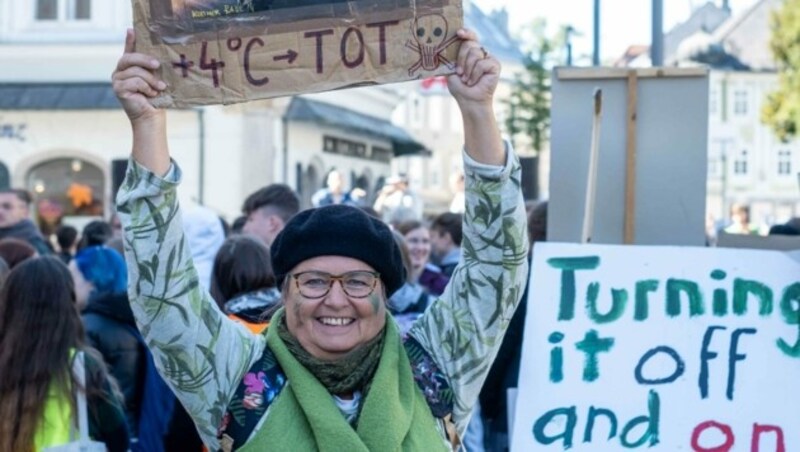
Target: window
[65,188]
[740,163]
[713,100]
[784,162]
[740,103]
[714,164]
[64,10]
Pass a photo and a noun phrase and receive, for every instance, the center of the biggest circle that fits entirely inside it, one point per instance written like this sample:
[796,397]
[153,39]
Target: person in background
[504,374]
[15,251]
[237,227]
[67,238]
[446,241]
[334,192]
[740,220]
[396,202]
[101,283]
[791,227]
[332,372]
[40,335]
[204,236]
[243,283]
[95,233]
[267,211]
[15,221]
[409,302]
[418,240]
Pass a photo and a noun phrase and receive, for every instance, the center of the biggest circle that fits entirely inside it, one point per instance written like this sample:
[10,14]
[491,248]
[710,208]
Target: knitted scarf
[394,416]
[344,376]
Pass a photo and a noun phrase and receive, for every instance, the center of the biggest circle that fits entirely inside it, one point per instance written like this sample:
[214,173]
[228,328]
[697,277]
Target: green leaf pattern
[464,328]
[203,355]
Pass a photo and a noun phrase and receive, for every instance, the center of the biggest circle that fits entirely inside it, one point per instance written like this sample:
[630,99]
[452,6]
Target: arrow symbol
[290,56]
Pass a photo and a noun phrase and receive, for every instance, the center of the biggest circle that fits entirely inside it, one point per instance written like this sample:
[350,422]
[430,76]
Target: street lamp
[568,32]
[596,45]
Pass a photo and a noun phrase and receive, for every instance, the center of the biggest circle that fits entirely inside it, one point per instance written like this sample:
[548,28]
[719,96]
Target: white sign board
[660,348]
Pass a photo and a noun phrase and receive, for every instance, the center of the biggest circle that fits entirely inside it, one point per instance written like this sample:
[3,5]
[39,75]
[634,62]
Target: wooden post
[591,182]
[630,160]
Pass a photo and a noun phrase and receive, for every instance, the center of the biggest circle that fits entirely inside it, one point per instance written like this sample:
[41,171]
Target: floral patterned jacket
[204,356]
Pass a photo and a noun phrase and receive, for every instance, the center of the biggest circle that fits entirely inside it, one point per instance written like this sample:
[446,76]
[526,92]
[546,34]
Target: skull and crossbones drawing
[430,41]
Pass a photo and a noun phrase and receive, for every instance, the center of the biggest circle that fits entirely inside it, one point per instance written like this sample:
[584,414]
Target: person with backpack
[101,284]
[40,337]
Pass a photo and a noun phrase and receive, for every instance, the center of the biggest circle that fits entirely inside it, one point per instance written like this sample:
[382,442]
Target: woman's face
[336,324]
[419,246]
[82,287]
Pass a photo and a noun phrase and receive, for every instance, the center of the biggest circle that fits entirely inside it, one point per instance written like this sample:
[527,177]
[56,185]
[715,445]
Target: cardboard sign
[660,348]
[228,51]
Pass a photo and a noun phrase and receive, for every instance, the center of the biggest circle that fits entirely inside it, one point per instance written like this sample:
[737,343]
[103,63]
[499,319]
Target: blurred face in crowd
[440,243]
[12,210]
[330,325]
[264,224]
[82,287]
[419,246]
[335,182]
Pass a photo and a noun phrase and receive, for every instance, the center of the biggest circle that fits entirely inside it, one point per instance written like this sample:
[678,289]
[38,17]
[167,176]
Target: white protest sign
[660,348]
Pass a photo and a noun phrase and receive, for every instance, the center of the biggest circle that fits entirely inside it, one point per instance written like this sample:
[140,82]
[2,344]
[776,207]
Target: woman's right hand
[135,81]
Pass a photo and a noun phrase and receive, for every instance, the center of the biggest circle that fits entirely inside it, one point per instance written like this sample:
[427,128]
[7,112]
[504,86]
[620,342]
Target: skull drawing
[430,32]
[430,40]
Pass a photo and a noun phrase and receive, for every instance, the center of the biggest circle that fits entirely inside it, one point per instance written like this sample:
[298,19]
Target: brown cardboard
[229,51]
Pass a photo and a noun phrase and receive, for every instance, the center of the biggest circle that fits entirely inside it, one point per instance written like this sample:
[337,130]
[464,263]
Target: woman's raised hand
[135,81]
[477,72]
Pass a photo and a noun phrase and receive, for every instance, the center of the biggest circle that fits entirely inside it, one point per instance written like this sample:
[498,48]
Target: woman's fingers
[142,73]
[130,41]
[474,55]
[469,41]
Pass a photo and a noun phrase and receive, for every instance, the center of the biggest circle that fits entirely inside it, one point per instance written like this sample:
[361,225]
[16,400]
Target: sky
[622,22]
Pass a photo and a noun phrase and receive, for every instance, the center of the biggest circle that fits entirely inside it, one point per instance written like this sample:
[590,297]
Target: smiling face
[419,246]
[336,324]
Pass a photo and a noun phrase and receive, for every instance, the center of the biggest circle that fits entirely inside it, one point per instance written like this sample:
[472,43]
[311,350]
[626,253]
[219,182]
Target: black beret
[339,230]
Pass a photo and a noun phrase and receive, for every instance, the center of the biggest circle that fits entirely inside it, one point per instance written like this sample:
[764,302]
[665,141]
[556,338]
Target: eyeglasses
[356,284]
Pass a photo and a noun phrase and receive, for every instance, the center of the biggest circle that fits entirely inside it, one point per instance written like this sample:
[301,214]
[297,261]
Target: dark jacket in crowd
[504,373]
[26,230]
[106,319]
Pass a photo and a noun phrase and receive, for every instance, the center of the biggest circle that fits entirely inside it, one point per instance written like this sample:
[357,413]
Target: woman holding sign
[331,372]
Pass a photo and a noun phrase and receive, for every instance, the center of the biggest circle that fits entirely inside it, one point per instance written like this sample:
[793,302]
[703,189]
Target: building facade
[747,164]
[431,115]
[64,137]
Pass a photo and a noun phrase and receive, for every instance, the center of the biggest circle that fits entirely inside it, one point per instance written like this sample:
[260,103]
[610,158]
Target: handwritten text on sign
[227,53]
[660,348]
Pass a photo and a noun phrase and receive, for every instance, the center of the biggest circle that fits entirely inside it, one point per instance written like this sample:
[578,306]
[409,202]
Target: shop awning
[57,96]
[307,110]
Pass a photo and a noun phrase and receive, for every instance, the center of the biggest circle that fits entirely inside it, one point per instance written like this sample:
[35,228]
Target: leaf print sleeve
[200,353]
[464,328]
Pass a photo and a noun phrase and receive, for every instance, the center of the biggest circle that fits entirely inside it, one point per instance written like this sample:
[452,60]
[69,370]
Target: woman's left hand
[477,72]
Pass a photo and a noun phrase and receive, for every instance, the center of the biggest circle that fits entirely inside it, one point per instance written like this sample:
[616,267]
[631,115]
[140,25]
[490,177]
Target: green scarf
[344,376]
[394,416]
